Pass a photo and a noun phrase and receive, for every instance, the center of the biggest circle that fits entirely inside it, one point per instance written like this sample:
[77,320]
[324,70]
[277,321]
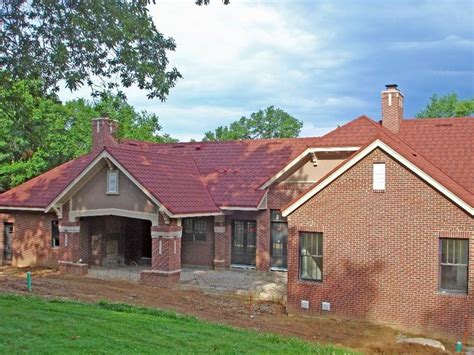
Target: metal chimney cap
[391,86]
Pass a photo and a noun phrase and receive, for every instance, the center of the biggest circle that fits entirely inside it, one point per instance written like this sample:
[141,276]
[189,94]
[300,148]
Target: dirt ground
[239,312]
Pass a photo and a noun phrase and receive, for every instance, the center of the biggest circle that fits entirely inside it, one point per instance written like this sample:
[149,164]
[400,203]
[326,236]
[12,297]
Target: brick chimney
[392,108]
[104,131]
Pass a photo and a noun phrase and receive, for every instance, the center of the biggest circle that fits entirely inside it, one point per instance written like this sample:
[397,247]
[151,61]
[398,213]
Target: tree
[38,132]
[447,106]
[269,123]
[85,42]
[206,2]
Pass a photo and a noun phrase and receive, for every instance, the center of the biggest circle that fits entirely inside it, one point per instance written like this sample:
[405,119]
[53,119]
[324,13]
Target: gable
[352,202]
[93,195]
[311,169]
[410,160]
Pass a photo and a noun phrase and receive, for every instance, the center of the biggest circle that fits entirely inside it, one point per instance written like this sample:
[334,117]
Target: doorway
[244,242]
[8,241]
[279,240]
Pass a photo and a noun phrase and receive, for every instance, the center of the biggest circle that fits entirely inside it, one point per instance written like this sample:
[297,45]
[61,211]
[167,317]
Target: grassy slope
[37,325]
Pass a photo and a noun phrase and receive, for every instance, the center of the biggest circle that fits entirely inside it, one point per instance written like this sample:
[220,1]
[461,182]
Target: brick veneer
[381,251]
[197,252]
[165,256]
[31,239]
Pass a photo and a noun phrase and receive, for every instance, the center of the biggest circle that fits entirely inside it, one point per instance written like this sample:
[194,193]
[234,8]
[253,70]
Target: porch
[269,286]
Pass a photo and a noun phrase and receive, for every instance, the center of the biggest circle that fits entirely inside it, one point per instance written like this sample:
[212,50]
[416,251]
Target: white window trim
[109,173]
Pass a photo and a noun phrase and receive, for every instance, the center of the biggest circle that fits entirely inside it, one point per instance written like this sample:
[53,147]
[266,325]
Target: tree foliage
[206,2]
[37,132]
[100,43]
[447,106]
[269,123]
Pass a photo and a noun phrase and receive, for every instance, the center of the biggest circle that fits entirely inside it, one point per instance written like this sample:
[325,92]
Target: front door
[279,240]
[8,240]
[244,242]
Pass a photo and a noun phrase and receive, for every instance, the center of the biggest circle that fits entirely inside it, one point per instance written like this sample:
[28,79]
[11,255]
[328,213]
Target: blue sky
[324,62]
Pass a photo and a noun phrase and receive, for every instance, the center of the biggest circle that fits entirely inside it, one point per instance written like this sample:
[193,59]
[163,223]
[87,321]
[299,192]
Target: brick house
[372,220]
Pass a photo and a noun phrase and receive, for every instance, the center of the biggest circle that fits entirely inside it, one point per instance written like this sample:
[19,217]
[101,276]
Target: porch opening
[112,240]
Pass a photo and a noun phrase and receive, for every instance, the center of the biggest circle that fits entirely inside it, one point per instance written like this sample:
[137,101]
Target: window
[454,265]
[276,216]
[195,229]
[311,256]
[54,234]
[112,182]
[379,176]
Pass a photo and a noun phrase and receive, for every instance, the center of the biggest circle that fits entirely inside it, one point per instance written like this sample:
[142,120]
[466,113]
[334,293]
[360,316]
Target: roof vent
[444,125]
[178,146]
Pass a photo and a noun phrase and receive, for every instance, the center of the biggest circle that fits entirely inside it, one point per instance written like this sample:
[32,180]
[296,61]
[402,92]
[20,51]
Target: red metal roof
[200,177]
[172,179]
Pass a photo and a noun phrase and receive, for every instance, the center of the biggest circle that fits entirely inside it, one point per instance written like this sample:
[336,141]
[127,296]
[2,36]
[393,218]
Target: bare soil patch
[225,309]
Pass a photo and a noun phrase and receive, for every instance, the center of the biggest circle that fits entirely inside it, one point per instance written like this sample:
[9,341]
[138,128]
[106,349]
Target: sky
[323,62]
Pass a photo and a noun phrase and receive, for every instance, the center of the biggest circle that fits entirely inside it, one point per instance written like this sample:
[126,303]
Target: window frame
[191,236]
[441,264]
[55,239]
[109,173]
[300,267]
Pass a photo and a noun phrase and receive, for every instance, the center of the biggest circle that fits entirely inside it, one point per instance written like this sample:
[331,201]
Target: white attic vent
[378,178]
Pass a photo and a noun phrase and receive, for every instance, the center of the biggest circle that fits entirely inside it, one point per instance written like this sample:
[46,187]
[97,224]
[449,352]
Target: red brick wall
[170,257]
[31,239]
[199,253]
[381,250]
[280,194]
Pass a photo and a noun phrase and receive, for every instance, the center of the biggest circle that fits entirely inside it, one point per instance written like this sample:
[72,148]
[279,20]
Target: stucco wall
[93,196]
[381,250]
[307,172]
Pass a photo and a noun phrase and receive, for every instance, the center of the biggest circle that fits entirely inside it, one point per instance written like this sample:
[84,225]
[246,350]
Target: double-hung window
[454,256]
[195,229]
[311,256]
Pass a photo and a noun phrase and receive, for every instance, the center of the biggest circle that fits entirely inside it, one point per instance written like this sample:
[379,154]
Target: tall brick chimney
[104,133]
[392,108]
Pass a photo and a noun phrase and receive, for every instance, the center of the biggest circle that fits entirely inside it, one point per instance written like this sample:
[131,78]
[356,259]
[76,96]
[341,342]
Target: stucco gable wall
[381,250]
[93,196]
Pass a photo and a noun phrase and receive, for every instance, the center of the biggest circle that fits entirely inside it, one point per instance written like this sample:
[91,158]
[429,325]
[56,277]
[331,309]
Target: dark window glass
[311,256]
[55,234]
[195,229]
[276,216]
[454,257]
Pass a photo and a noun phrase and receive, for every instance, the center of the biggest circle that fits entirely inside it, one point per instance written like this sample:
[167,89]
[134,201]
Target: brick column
[165,257]
[263,240]
[70,248]
[220,241]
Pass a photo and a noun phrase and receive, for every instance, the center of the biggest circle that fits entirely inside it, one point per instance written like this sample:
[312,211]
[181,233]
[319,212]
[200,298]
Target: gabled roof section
[233,170]
[173,180]
[447,143]
[38,192]
[408,157]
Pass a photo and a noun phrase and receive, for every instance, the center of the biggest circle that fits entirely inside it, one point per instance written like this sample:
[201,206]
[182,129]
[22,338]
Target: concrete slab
[268,286]
[423,341]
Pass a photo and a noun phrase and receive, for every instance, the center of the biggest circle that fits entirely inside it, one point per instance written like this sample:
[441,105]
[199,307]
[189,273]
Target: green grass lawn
[30,324]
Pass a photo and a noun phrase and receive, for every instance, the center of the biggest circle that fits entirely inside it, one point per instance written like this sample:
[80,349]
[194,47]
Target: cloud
[443,43]
[324,62]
